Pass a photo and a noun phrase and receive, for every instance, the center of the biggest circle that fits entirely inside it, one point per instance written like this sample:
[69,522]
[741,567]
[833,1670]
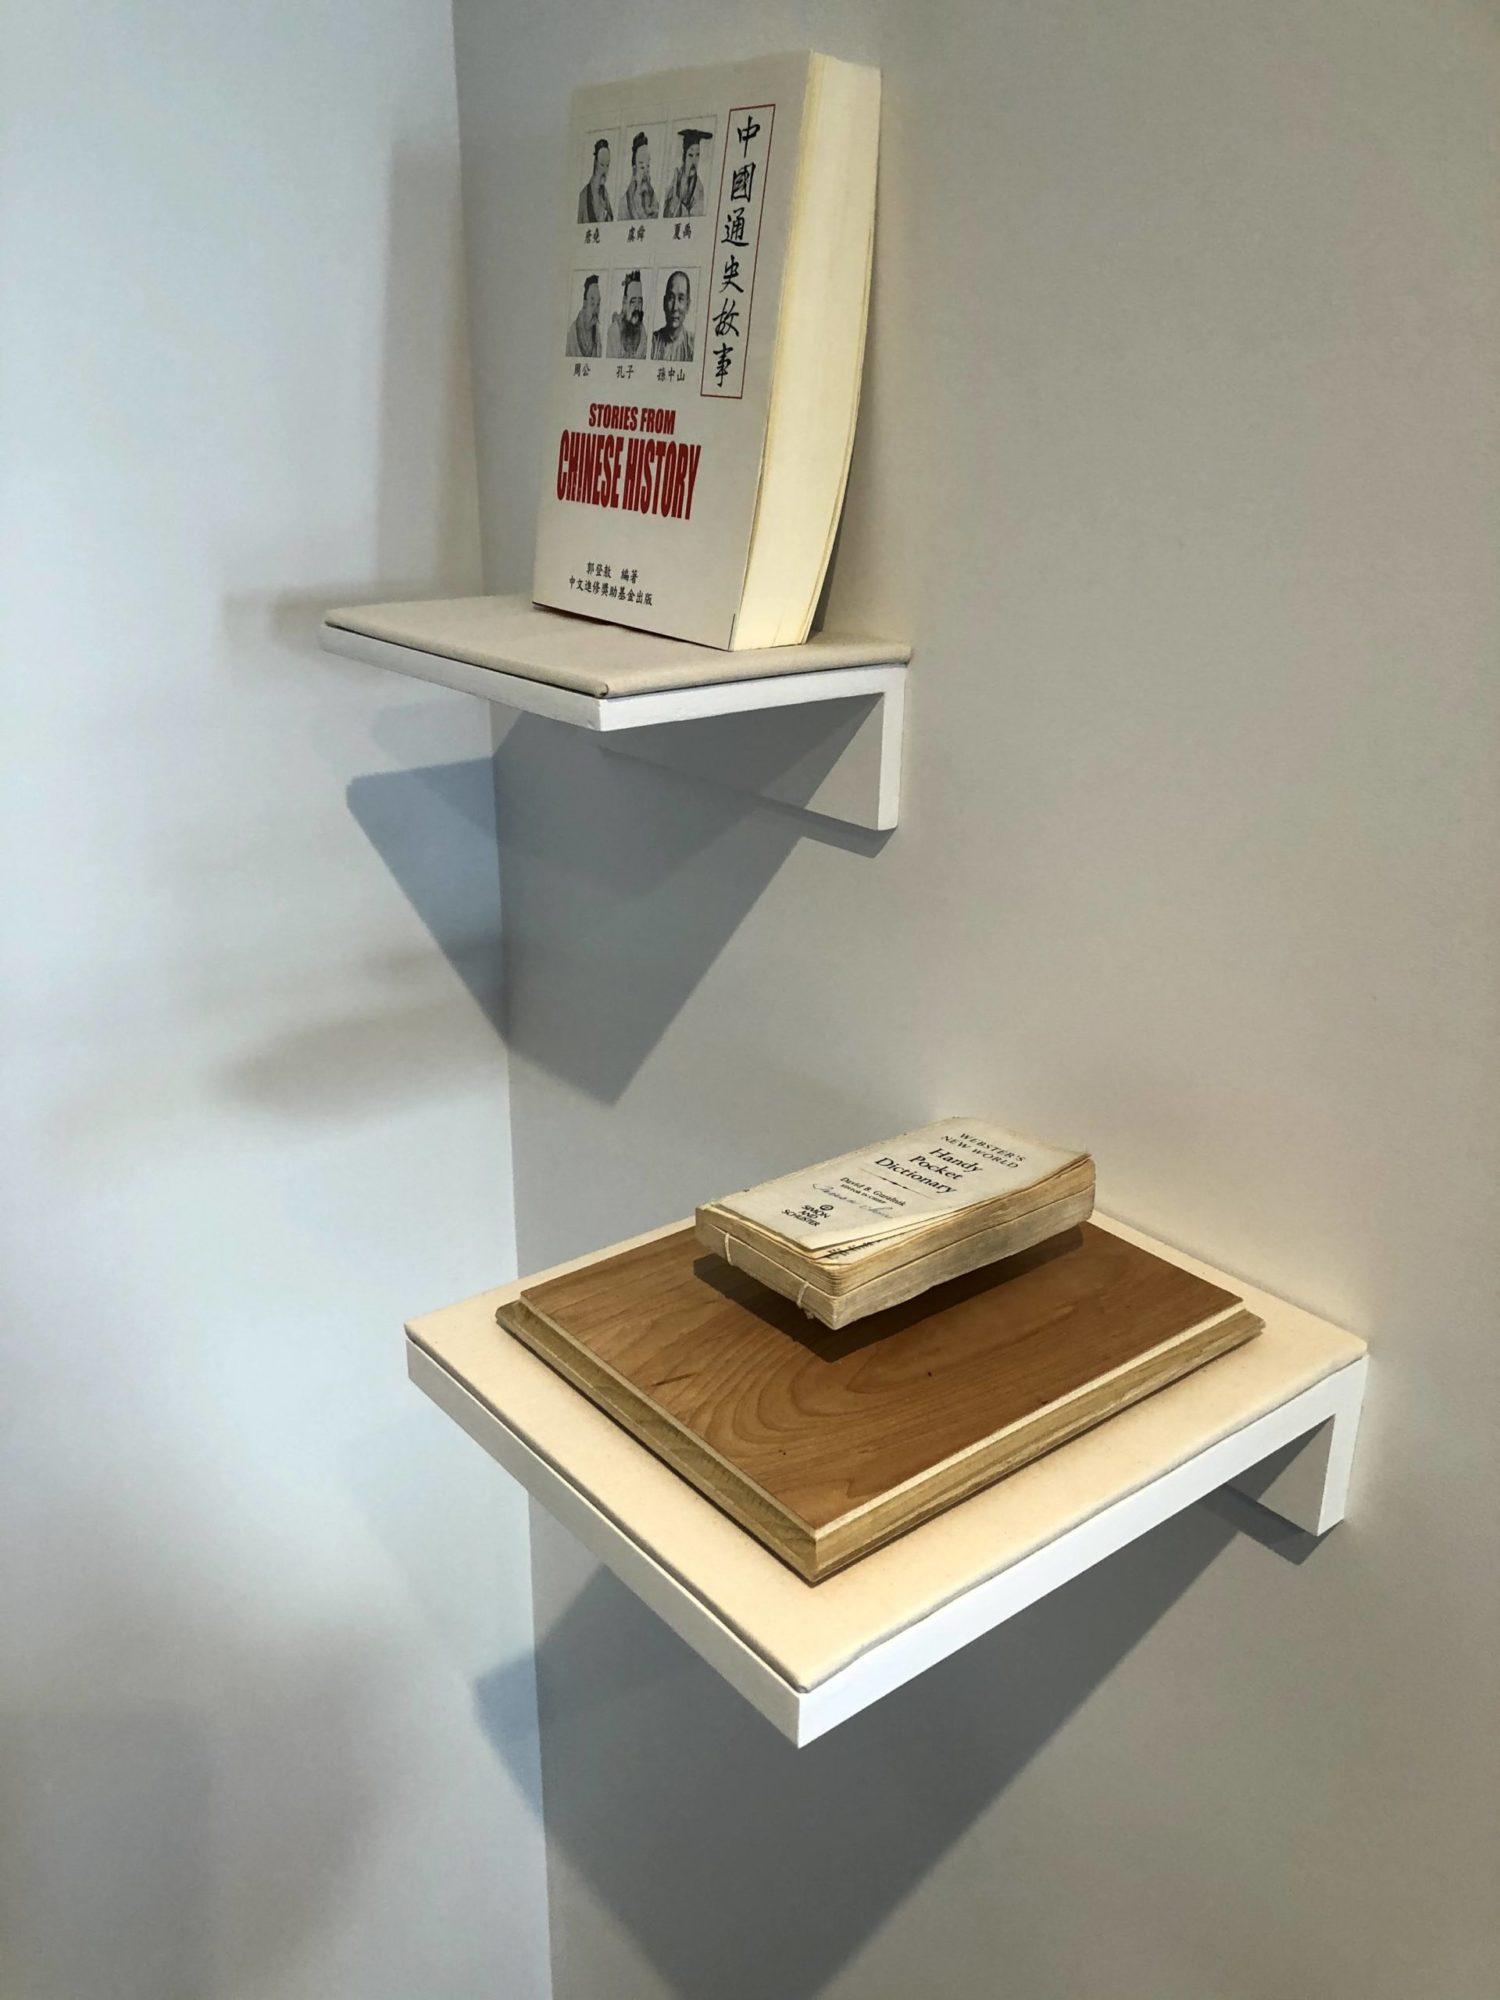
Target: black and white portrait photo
[686,189]
[639,201]
[583,327]
[627,336]
[673,339]
[594,204]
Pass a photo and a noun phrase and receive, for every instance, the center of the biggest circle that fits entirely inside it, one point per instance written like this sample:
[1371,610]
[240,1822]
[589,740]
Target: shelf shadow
[434,828]
[149,1822]
[768,1867]
[1271,1530]
[413,1031]
[621,884]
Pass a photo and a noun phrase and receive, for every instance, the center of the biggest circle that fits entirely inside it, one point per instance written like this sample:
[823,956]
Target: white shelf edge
[682,1609]
[1324,1416]
[863,788]
[1332,1405]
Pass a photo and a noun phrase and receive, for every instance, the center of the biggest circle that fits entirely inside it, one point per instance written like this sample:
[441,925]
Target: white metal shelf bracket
[1306,1479]
[830,743]
[819,726]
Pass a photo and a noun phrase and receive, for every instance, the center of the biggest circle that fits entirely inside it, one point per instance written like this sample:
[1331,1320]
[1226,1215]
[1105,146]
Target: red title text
[629,459]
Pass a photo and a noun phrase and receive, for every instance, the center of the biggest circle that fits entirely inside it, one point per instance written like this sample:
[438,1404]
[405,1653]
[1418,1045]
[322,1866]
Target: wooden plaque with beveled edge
[826,1444]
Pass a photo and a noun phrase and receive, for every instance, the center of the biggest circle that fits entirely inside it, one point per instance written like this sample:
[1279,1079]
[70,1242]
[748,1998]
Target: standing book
[708,338]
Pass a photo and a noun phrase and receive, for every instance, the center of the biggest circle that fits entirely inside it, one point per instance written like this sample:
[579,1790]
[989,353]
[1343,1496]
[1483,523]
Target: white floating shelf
[1276,1419]
[672,701]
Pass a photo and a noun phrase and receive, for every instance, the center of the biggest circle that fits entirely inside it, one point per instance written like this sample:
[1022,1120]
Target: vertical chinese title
[742,187]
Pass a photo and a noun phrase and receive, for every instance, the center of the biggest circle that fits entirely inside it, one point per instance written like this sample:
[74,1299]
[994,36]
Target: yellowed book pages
[835,1227]
[904,1281]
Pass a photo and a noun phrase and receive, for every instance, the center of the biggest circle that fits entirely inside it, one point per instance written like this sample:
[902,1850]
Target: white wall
[1178,465]
[266,1711]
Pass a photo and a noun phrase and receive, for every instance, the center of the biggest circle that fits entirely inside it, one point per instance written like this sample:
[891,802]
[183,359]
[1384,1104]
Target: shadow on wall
[424,492]
[429,489]
[413,1034]
[407,359]
[617,857]
[106,1851]
[434,828]
[617,854]
[154,1844]
[744,1867]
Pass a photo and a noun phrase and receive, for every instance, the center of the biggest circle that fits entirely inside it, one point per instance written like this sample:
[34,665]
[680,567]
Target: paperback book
[707,338]
[871,1228]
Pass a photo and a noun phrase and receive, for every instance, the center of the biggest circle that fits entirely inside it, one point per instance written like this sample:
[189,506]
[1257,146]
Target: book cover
[685,194]
[853,1235]
[922,1181]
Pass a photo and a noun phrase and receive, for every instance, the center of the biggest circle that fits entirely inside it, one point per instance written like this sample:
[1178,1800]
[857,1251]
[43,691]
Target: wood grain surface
[825,1444]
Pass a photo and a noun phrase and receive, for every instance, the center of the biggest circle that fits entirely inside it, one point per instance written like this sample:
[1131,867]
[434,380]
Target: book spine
[743,1256]
[908,1281]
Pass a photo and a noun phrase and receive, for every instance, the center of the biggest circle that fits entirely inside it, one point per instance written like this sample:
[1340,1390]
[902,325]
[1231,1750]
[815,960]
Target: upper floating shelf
[845,764]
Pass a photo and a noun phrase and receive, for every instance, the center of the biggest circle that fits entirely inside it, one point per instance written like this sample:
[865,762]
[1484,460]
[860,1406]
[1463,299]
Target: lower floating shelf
[808,1656]
[665,700]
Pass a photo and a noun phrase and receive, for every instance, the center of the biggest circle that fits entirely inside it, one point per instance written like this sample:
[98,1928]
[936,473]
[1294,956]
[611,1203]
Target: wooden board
[826,1444]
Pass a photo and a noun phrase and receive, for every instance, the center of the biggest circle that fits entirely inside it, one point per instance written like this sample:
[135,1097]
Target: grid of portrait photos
[634,313]
[642,301]
[661,171]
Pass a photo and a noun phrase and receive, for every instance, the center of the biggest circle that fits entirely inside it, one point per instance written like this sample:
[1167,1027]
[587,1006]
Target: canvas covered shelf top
[808,1655]
[818,726]
[511,635]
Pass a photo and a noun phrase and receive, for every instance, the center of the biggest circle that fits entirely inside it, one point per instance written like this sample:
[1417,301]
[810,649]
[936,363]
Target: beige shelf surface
[807,1634]
[511,635]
